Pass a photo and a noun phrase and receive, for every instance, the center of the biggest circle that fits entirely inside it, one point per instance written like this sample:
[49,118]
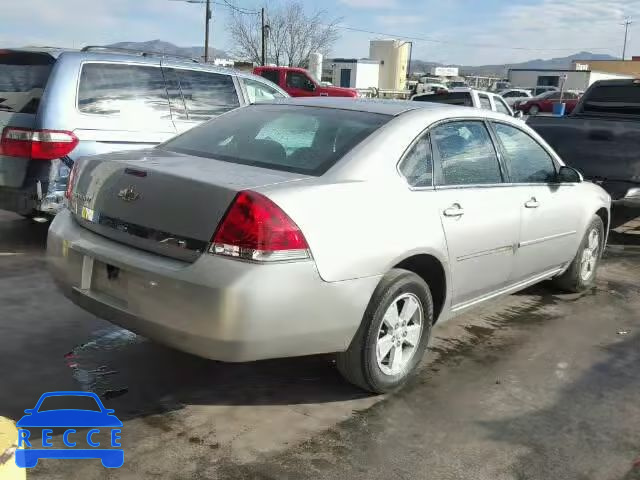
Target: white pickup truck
[470,97]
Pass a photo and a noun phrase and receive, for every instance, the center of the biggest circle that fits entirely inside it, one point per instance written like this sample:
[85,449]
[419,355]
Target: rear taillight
[36,144]
[71,181]
[255,228]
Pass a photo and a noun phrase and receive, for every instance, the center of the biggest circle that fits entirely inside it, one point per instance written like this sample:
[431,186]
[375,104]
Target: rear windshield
[453,98]
[23,76]
[614,99]
[299,139]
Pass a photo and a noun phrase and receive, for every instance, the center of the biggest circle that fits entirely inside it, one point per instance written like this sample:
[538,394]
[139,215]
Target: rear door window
[259,91]
[501,106]
[271,75]
[23,77]
[133,91]
[485,103]
[453,98]
[207,94]
[467,154]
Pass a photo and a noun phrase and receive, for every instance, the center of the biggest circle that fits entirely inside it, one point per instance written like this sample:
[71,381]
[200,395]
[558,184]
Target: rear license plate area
[111,281]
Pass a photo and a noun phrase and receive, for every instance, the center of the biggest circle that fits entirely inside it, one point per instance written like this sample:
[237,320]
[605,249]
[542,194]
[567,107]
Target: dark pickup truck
[601,138]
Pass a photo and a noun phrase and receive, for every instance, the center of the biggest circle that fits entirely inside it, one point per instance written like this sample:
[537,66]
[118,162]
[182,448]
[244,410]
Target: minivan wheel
[581,274]
[393,335]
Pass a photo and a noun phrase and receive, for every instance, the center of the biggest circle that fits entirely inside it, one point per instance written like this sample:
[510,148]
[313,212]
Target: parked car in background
[457,84]
[540,89]
[544,102]
[298,82]
[56,106]
[602,137]
[468,97]
[314,226]
[422,88]
[514,95]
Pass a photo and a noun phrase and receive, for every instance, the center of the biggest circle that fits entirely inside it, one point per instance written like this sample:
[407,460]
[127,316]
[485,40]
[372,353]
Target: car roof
[152,59]
[55,52]
[469,90]
[387,107]
[371,105]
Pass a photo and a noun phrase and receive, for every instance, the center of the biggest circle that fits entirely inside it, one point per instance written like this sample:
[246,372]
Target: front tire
[581,274]
[534,110]
[393,335]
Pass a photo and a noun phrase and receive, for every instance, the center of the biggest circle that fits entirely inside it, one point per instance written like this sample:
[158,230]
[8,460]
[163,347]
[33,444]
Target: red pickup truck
[297,82]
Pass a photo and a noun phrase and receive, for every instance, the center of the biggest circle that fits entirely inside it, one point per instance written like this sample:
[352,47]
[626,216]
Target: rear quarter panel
[360,229]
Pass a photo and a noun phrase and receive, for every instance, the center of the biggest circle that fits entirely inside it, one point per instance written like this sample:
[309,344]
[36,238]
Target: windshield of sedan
[66,402]
[291,138]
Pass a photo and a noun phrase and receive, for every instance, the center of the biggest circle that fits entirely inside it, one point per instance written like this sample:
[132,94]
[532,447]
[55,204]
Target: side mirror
[518,114]
[569,175]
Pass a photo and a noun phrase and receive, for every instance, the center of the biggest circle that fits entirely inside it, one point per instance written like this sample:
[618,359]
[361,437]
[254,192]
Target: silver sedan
[324,225]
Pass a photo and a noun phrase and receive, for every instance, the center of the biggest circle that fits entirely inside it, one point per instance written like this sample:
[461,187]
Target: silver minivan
[59,105]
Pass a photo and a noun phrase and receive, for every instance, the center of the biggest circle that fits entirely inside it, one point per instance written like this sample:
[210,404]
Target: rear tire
[391,341]
[581,274]
[534,110]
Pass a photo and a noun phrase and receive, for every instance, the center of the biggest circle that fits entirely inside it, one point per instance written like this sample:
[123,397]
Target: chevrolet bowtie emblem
[129,194]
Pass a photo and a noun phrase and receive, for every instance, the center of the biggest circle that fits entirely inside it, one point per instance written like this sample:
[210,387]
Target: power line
[460,44]
[227,4]
[244,11]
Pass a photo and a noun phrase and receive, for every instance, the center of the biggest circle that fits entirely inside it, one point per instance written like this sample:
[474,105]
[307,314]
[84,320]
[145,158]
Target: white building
[353,72]
[573,79]
[393,56]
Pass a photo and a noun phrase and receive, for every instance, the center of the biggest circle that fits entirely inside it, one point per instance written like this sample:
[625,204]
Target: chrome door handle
[454,210]
[533,203]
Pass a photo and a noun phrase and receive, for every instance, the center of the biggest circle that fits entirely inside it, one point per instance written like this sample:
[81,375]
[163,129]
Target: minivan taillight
[255,228]
[36,144]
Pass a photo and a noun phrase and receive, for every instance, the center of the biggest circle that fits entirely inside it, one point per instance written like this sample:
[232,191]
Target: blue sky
[469,32]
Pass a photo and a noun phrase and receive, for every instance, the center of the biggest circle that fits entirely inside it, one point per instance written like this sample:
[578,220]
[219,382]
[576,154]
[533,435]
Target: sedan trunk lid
[163,202]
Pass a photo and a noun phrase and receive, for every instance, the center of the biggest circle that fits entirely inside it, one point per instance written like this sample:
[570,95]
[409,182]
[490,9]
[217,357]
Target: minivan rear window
[23,77]
[135,91]
[453,98]
[292,138]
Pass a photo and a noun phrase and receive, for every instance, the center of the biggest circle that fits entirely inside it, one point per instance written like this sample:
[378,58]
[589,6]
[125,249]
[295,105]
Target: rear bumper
[17,200]
[216,307]
[28,202]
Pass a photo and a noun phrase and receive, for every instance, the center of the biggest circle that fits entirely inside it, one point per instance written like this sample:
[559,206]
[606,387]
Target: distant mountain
[171,49]
[501,70]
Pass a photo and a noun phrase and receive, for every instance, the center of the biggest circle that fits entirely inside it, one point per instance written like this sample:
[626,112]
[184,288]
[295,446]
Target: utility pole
[263,34]
[207,17]
[626,24]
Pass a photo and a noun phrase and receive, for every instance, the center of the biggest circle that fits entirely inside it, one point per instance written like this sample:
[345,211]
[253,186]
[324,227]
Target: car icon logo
[40,418]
